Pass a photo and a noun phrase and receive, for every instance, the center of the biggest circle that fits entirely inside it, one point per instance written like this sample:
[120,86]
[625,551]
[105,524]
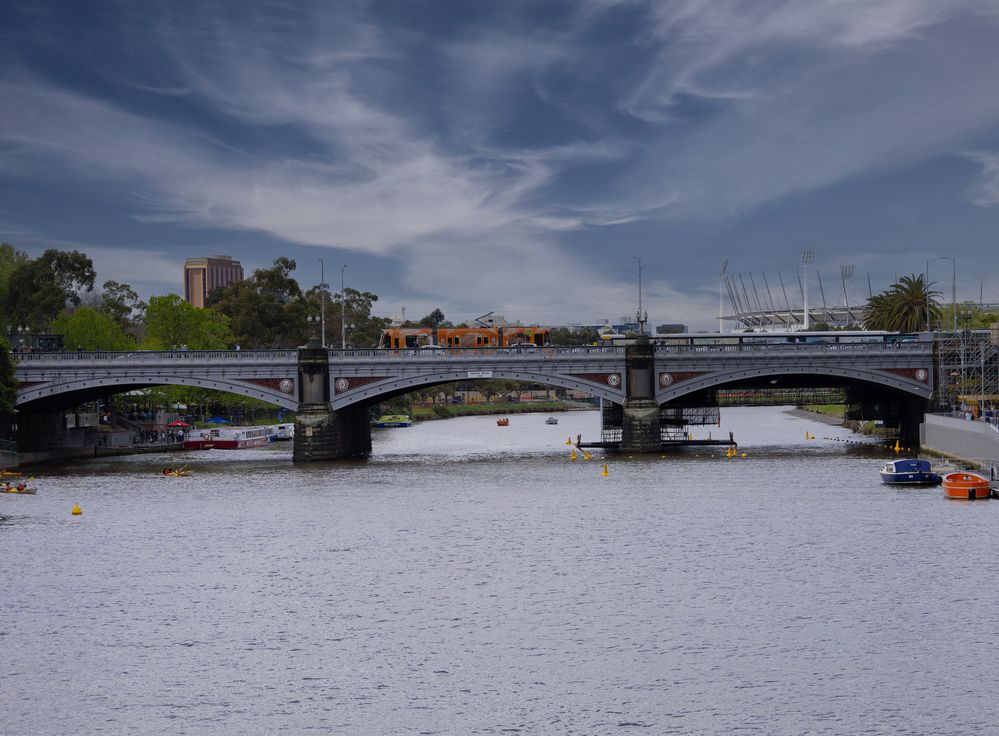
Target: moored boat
[966,486]
[910,472]
[227,438]
[551,420]
[10,473]
[393,420]
[281,432]
[504,422]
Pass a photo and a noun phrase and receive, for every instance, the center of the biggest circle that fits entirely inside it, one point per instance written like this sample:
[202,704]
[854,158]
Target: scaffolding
[967,371]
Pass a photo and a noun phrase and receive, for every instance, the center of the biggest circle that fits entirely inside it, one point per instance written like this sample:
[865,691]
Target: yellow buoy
[586,455]
[573,456]
[604,471]
[744,454]
[569,441]
[898,447]
[76,510]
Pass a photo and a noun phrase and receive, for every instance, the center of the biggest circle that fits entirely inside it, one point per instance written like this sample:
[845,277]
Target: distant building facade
[203,275]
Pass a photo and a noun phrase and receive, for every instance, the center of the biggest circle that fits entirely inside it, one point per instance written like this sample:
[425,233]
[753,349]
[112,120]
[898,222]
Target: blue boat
[909,473]
[393,420]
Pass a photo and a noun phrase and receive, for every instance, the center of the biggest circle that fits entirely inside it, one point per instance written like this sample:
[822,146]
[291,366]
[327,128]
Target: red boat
[967,486]
[504,422]
[228,438]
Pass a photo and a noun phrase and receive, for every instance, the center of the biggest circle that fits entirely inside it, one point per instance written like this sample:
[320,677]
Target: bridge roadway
[50,381]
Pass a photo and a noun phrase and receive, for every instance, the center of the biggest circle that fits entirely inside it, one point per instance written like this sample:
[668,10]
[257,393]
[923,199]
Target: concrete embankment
[972,442]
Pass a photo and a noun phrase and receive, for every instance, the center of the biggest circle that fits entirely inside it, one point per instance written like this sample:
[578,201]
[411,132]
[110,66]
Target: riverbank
[829,414]
[449,411]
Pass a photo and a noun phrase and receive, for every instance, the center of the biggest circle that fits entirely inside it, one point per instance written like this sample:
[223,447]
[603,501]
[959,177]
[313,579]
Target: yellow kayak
[25,491]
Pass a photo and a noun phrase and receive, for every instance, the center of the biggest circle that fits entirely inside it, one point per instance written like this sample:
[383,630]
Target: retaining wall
[968,440]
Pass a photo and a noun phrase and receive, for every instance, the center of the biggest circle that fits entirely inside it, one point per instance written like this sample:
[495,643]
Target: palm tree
[903,307]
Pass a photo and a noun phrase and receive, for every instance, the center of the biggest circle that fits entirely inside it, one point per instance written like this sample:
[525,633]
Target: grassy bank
[447,411]
[830,410]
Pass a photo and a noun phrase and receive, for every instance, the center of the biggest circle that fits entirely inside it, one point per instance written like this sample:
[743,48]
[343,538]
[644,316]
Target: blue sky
[508,156]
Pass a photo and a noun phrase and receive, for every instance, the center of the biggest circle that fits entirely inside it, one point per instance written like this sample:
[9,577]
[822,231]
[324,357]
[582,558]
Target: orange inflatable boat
[967,486]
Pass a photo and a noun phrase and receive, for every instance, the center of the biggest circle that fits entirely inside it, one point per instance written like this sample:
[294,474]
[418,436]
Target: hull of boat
[910,479]
[966,486]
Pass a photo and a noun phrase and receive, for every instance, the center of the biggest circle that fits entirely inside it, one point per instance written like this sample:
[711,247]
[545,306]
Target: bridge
[331,390]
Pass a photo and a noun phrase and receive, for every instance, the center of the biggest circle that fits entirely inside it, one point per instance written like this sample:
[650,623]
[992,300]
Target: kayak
[24,491]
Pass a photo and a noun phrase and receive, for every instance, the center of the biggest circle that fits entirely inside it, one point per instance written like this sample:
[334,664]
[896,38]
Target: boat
[551,420]
[393,420]
[967,486]
[281,432]
[504,422]
[175,472]
[227,438]
[10,473]
[911,472]
[14,489]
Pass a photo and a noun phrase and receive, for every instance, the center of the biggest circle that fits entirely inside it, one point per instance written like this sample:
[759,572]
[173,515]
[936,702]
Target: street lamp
[953,286]
[638,314]
[721,302]
[322,298]
[343,306]
[807,256]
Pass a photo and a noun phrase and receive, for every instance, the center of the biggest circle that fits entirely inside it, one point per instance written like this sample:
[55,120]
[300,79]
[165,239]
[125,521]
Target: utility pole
[638,314]
[721,302]
[322,298]
[343,307]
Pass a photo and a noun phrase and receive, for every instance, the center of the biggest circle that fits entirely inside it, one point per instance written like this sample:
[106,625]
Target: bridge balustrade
[860,347]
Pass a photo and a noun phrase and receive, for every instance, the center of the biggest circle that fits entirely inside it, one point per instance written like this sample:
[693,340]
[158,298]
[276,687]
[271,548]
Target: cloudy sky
[506,155]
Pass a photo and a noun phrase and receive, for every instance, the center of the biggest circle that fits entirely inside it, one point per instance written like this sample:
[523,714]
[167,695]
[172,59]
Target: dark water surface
[470,579]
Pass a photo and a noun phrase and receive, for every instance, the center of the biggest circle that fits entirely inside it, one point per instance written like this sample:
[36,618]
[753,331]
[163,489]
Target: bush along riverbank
[448,411]
[835,415]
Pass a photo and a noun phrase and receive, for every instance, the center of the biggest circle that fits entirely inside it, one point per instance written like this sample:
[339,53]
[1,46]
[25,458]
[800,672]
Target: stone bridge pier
[320,432]
[640,426]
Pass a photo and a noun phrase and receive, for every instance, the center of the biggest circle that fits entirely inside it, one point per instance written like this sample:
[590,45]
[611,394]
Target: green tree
[903,306]
[363,329]
[89,329]
[172,323]
[10,259]
[45,285]
[575,336]
[8,384]
[267,309]
[121,303]
[434,319]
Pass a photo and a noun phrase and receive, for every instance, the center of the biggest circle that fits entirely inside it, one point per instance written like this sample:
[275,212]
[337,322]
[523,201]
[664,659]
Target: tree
[434,319]
[121,303]
[89,329]
[363,330]
[10,259]
[577,336]
[8,384]
[172,323]
[267,309]
[903,306]
[45,285]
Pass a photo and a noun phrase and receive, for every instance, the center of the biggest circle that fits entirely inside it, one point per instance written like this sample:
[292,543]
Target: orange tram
[464,337]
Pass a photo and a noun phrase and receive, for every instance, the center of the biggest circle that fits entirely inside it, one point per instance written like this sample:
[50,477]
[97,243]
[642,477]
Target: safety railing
[799,348]
[159,356]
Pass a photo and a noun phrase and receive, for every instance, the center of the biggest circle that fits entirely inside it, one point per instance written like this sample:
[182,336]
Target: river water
[471,579]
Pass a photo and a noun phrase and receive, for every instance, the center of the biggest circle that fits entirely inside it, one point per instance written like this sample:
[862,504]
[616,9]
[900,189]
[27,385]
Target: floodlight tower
[721,300]
[807,256]
[845,274]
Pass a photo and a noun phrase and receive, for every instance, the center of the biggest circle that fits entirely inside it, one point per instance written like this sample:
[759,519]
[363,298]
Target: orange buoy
[966,486]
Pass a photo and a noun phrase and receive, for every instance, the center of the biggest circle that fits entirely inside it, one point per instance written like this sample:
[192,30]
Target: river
[471,579]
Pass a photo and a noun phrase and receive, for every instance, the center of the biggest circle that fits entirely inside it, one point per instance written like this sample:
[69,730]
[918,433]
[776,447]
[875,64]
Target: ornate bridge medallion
[344,384]
[284,385]
[611,379]
[916,374]
[668,379]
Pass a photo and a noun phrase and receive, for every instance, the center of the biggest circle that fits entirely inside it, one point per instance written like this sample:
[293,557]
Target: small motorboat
[14,489]
[551,420]
[393,420]
[504,422]
[911,472]
[966,486]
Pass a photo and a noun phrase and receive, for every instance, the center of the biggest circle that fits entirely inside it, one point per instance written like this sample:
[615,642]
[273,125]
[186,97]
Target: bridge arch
[70,393]
[897,381]
[374,392]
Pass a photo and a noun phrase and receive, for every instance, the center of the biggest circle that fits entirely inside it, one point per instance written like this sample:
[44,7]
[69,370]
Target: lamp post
[343,307]
[953,286]
[721,301]
[638,314]
[807,256]
[322,298]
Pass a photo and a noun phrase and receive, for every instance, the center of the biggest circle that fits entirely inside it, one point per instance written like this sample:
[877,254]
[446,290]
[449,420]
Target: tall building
[203,275]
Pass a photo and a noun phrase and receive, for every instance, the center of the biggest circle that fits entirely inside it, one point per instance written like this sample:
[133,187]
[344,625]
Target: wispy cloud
[985,191]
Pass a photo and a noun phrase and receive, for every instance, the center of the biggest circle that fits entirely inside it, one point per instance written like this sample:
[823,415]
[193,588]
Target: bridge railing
[157,356]
[568,351]
[798,348]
